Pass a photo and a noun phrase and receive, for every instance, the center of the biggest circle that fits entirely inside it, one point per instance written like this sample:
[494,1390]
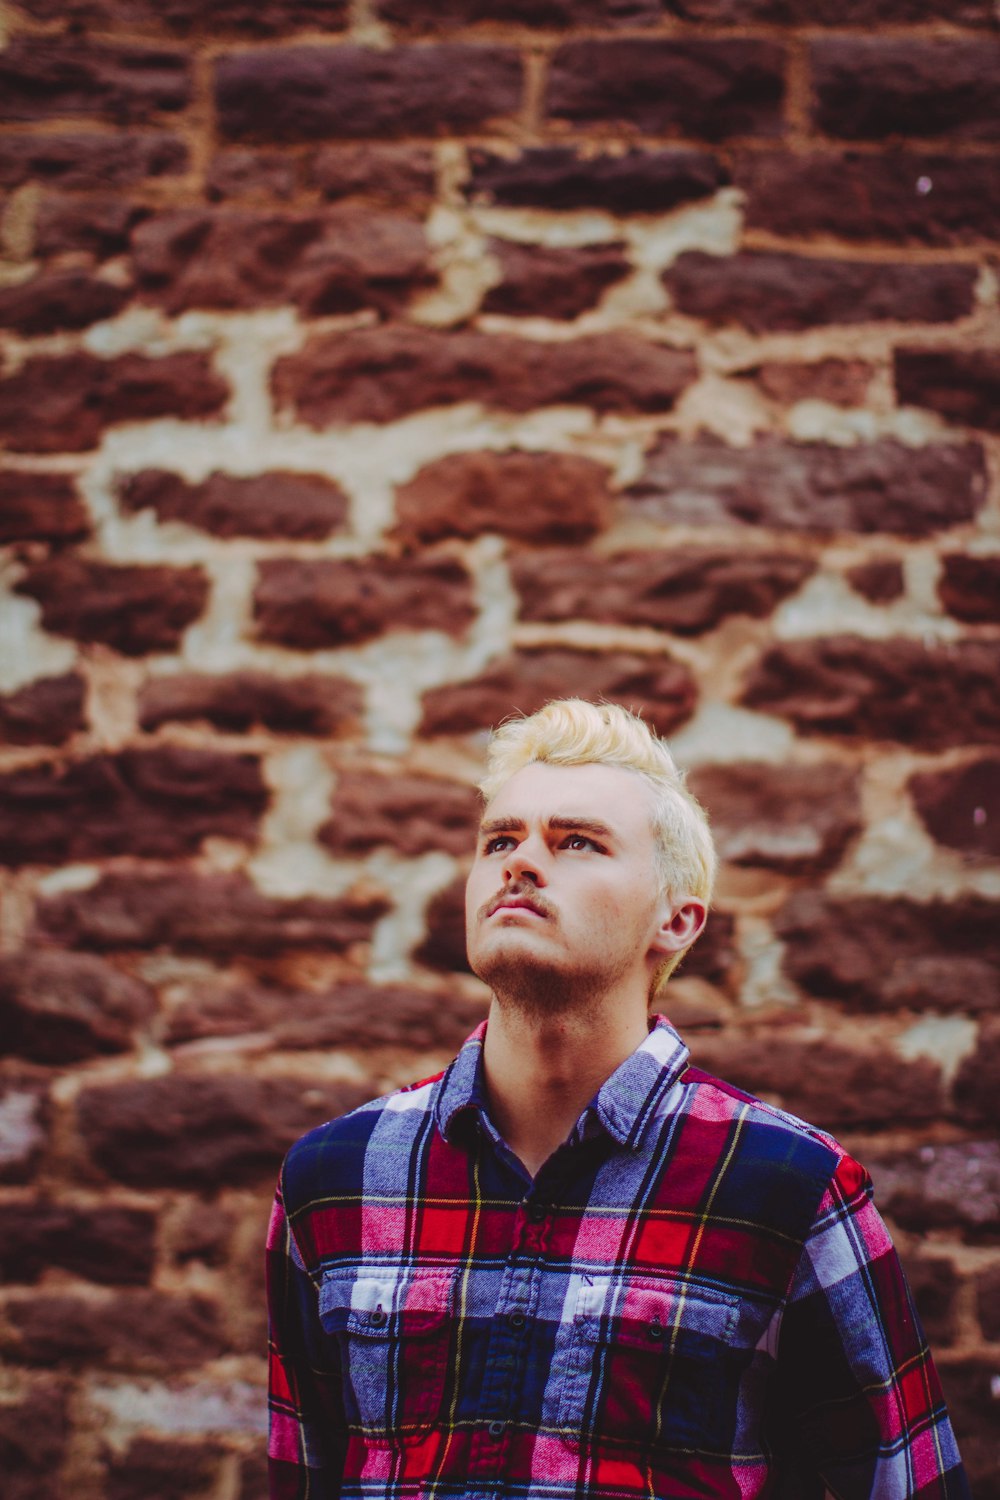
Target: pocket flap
[384,1304]
[651,1313]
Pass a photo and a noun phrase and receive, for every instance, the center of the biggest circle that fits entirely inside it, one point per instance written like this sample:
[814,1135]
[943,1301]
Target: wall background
[369,372]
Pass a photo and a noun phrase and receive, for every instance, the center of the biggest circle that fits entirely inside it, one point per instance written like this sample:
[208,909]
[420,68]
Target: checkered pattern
[695,1297]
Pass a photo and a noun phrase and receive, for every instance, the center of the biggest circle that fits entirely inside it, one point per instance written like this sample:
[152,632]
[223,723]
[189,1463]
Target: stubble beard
[537,990]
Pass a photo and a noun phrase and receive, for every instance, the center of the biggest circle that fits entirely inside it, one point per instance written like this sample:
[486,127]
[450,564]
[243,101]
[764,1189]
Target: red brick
[169,1469]
[977,1083]
[713,958]
[960,806]
[243,17]
[902,197]
[158,803]
[40,508]
[58,1008]
[57,300]
[769,290]
[963,385]
[63,403]
[711,88]
[392,174]
[795,819]
[443,947]
[45,76]
[949,1185]
[969,588]
[316,93]
[138,1331]
[662,689]
[561,177]
[297,507]
[243,172]
[839,13]
[988,1303]
[98,226]
[532,497]
[382,374]
[90,163]
[812,487]
[311,605]
[539,281]
[686,590]
[305,705]
[889,953]
[34,1428]
[24,1131]
[133,608]
[109,1244]
[880,581]
[46,712]
[444,15]
[842,382]
[926,697]
[867,88]
[934,1284]
[409,813]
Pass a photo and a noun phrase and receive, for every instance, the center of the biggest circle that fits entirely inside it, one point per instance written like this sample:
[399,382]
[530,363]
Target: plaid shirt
[695,1297]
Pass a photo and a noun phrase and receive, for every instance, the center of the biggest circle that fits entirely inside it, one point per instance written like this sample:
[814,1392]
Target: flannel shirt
[695,1297]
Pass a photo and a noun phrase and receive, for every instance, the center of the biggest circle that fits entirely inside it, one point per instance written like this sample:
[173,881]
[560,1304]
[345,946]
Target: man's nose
[525,863]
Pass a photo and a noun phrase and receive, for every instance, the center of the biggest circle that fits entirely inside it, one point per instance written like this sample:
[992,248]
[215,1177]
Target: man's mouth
[518,902]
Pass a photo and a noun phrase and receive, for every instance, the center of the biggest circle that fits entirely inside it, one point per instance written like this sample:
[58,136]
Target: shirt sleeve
[860,1393]
[307,1434]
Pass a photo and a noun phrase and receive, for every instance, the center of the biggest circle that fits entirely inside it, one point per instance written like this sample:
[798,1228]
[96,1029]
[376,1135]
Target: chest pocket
[393,1328]
[651,1366]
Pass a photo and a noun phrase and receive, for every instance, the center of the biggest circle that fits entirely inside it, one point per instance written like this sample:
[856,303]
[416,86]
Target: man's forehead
[609,794]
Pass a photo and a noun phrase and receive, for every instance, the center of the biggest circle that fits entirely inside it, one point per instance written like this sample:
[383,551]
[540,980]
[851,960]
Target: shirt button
[517,1320]
[536,1212]
[495,1429]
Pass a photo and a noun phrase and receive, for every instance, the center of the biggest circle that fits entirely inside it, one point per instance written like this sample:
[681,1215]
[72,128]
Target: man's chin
[528,982]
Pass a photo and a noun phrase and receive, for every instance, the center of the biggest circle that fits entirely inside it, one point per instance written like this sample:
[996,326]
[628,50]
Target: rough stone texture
[814,487]
[886,953]
[869,88]
[713,957]
[46,76]
[311,605]
[711,88]
[316,93]
[969,588]
[158,803]
[443,947]
[963,385]
[243,172]
[217,914]
[766,290]
[531,497]
[551,283]
[433,15]
[661,689]
[296,507]
[169,1470]
[40,507]
[58,300]
[560,177]
[307,705]
[33,1432]
[62,403]
[184,16]
[934,1285]
[880,581]
[960,807]
[61,1007]
[393,174]
[89,163]
[839,13]
[382,374]
[842,382]
[684,590]
[112,1245]
[46,712]
[142,1331]
[796,819]
[977,1083]
[411,814]
[988,1301]
[927,697]
[133,609]
[95,226]
[969,1387]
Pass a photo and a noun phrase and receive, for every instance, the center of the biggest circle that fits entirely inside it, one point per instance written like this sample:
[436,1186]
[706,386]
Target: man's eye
[499,845]
[578,841]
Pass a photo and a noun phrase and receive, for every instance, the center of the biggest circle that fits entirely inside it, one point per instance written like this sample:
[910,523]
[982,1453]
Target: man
[572,1265]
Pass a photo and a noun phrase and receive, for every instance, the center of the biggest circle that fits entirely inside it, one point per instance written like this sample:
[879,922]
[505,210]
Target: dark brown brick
[90,163]
[934,1284]
[839,13]
[796,819]
[963,385]
[561,177]
[109,1244]
[392,174]
[867,88]
[34,1429]
[662,689]
[888,952]
[243,172]
[988,1303]
[686,590]
[316,93]
[443,15]
[170,1470]
[182,17]
[969,587]
[977,1083]
[297,507]
[950,1185]
[960,806]
[409,813]
[98,225]
[811,487]
[62,403]
[24,1129]
[46,712]
[40,507]
[133,608]
[308,705]
[532,497]
[157,803]
[842,382]
[880,581]
[713,958]
[47,76]
[57,300]
[970,1392]
[218,914]
[538,281]
[900,197]
[443,947]
[58,1008]
[311,605]
[137,1331]
[711,88]
[766,290]
[927,697]
[382,374]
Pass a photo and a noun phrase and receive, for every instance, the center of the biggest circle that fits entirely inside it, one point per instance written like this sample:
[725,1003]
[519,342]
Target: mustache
[522,892]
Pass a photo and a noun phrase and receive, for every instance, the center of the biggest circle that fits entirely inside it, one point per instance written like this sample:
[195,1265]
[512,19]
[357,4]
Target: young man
[572,1265]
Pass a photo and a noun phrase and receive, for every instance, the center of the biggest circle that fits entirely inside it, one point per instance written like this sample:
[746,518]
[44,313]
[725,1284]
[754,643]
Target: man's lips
[518,903]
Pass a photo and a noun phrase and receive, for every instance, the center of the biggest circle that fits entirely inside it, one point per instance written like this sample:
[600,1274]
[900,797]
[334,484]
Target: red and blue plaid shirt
[694,1297]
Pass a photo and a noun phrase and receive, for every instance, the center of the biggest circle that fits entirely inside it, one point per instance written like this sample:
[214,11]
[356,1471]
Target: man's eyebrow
[501,825]
[568,824]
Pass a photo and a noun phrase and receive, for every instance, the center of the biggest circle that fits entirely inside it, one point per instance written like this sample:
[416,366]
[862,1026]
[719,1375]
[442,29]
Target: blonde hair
[573,732]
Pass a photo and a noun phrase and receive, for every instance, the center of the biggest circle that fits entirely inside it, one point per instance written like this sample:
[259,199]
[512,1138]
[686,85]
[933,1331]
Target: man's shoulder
[731,1100]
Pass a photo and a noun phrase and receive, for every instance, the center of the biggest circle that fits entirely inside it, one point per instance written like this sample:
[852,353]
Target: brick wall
[370,371]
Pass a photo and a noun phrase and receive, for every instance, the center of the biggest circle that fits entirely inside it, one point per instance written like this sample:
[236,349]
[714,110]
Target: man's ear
[680,925]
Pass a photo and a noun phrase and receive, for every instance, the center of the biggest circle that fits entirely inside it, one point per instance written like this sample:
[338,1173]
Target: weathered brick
[217,914]
[311,605]
[813,487]
[24,1127]
[309,704]
[298,507]
[545,282]
[244,17]
[315,93]
[934,1284]
[62,1007]
[960,806]
[40,507]
[888,952]
[947,1185]
[443,946]
[839,13]
[880,581]
[766,290]
[969,587]
[382,374]
[392,173]
[988,1303]
[662,689]
[977,1082]
[711,88]
[796,819]
[532,497]
[902,197]
[169,1469]
[57,300]
[927,697]
[443,15]
[562,177]
[109,1244]
[687,590]
[157,803]
[866,88]
[46,712]
[34,1427]
[842,382]
[133,608]
[62,403]
[243,172]
[44,76]
[98,225]
[90,163]
[713,958]
[138,1330]
[963,385]
[410,813]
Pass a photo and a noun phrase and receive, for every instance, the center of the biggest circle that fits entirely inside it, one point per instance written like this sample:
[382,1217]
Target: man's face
[564,895]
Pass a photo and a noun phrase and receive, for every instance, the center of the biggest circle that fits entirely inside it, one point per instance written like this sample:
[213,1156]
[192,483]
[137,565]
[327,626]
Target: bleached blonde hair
[573,732]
